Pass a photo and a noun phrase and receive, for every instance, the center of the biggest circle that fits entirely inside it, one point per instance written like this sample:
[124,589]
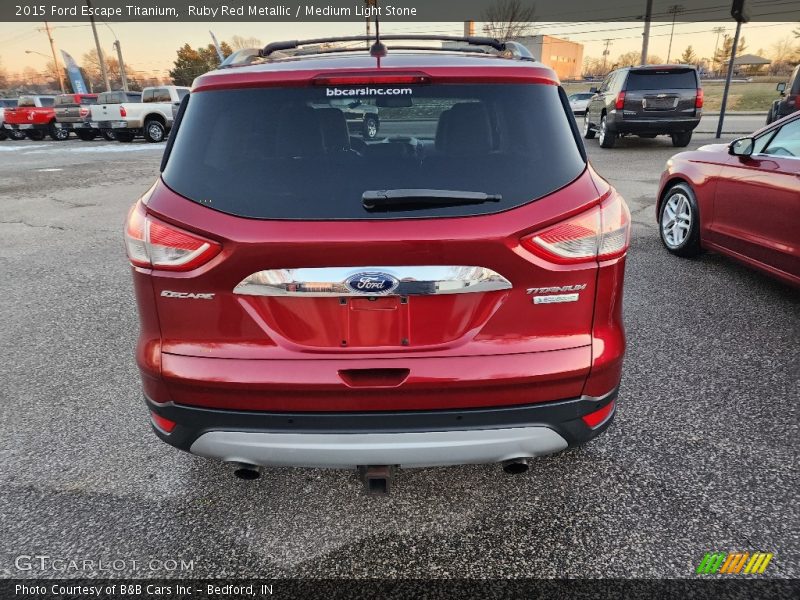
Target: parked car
[35,117]
[790,98]
[740,199]
[361,117]
[73,114]
[450,294]
[6,133]
[105,108]
[151,118]
[578,102]
[646,101]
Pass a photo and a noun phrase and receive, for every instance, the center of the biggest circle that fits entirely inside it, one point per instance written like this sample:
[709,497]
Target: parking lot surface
[702,456]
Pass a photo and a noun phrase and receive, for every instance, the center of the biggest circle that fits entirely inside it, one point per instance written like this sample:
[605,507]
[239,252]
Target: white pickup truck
[151,118]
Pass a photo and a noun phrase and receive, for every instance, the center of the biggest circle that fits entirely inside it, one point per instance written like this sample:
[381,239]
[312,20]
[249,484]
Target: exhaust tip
[247,472]
[515,466]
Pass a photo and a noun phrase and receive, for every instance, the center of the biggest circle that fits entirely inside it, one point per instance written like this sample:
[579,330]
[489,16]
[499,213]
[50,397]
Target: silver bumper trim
[425,449]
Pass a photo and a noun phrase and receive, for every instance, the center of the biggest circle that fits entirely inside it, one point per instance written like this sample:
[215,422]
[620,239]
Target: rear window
[662,80]
[311,153]
[8,103]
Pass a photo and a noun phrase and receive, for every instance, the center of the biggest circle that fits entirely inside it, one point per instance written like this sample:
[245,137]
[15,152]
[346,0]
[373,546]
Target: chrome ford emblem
[372,283]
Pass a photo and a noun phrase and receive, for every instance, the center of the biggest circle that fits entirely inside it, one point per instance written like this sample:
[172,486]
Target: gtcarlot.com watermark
[43,563]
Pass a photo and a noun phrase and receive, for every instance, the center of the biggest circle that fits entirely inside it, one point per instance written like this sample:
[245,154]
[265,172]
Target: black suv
[790,102]
[645,101]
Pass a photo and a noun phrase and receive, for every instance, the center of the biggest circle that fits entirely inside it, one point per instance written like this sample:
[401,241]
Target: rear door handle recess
[374,377]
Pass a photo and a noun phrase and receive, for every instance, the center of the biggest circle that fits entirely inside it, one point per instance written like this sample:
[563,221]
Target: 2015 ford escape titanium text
[447,292]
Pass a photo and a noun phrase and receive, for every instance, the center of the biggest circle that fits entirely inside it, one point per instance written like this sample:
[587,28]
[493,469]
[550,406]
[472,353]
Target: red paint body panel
[285,354]
[749,206]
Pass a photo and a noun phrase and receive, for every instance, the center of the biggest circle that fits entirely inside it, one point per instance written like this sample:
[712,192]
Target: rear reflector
[164,424]
[598,417]
[122,111]
[698,101]
[366,79]
[153,243]
[600,233]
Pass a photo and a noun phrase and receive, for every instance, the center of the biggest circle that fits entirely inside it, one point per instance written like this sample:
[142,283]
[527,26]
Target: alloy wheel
[676,220]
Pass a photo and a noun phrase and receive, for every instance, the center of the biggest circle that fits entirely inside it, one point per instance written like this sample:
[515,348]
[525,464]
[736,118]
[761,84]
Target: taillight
[598,417]
[153,243]
[365,79]
[600,233]
[620,103]
[123,112]
[84,112]
[698,101]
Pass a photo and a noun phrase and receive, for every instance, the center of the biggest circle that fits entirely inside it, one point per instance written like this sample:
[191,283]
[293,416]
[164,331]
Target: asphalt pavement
[702,456]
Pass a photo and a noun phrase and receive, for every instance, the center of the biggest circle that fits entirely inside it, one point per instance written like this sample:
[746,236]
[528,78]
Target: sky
[150,47]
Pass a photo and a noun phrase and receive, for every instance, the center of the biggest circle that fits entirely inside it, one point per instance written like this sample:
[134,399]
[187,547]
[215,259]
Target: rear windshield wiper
[375,200]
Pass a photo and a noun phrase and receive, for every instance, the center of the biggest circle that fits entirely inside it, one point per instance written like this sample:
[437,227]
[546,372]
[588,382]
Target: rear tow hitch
[377,479]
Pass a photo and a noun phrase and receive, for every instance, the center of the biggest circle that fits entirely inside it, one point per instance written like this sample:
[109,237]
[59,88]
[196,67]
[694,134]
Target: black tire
[3,135]
[16,134]
[35,134]
[108,135]
[57,134]
[678,202]
[126,137]
[588,132]
[608,137]
[681,140]
[370,129]
[154,131]
[86,136]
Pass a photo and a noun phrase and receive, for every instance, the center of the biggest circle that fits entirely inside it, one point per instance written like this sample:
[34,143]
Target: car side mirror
[593,90]
[781,87]
[742,147]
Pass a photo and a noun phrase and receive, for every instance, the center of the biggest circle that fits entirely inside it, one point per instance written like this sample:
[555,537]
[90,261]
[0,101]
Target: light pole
[675,9]
[118,46]
[648,16]
[100,56]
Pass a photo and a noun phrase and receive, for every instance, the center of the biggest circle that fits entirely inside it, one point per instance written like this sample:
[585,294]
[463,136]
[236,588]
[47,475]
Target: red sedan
[740,199]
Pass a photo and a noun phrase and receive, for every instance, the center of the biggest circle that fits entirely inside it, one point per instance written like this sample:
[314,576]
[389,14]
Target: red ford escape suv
[448,291]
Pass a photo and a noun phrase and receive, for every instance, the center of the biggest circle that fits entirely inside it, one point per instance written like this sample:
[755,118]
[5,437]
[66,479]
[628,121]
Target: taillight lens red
[153,243]
[366,79]
[162,423]
[600,233]
[698,101]
[598,417]
[620,103]
[123,112]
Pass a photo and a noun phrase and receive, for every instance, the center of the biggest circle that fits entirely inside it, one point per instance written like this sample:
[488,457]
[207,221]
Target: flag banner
[74,73]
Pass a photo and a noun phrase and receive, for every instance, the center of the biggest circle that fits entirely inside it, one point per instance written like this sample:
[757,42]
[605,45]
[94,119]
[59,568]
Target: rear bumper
[406,438]
[26,126]
[666,125]
[115,126]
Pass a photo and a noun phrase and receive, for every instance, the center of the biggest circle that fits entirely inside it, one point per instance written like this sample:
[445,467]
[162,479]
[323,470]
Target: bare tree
[508,19]
[240,43]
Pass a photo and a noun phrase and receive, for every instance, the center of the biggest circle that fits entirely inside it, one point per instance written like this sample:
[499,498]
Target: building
[563,56]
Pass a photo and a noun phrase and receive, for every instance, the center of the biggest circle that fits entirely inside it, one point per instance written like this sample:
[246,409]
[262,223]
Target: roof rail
[506,49]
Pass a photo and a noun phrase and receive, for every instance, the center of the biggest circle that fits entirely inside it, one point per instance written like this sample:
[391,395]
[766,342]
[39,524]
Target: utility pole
[606,53]
[100,56]
[717,30]
[675,9]
[738,12]
[122,73]
[648,16]
[57,65]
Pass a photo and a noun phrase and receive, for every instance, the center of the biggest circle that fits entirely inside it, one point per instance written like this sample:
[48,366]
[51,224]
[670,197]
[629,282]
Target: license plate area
[374,321]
